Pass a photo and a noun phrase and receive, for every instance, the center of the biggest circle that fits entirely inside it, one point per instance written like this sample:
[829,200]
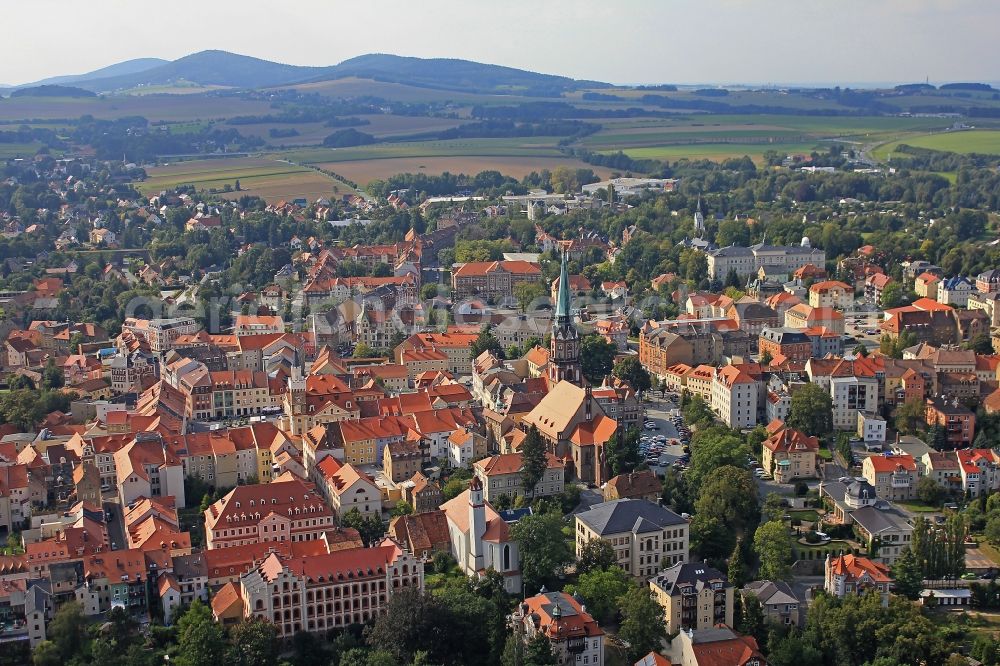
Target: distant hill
[220,68]
[52,91]
[118,69]
[214,68]
[453,74]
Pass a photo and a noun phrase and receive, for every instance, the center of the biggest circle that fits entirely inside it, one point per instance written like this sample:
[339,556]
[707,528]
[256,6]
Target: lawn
[918,507]
[968,141]
[825,453]
[804,514]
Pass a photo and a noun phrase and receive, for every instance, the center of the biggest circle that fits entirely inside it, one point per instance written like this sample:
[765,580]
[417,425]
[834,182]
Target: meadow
[271,179]
[365,171]
[965,141]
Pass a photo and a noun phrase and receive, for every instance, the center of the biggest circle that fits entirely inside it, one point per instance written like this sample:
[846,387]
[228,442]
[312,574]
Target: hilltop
[231,70]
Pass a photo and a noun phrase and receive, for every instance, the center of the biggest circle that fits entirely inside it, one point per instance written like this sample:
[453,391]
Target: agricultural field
[9,150]
[365,171]
[170,108]
[534,146]
[966,141]
[312,134]
[720,151]
[268,178]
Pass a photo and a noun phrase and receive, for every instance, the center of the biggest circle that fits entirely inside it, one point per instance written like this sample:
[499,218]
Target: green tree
[67,629]
[595,555]
[992,530]
[622,452]
[643,625]
[528,292]
[597,357]
[429,291]
[892,295]
[412,621]
[909,417]
[52,376]
[906,572]
[749,616]
[46,654]
[537,651]
[630,370]
[774,550]
[201,641]
[544,550]
[601,590]
[730,497]
[697,412]
[737,569]
[370,527]
[361,350]
[533,462]
[811,410]
[486,341]
[254,643]
[402,508]
[930,491]
[712,449]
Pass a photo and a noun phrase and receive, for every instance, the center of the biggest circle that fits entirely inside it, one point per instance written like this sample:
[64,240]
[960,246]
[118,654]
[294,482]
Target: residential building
[988,281]
[871,427]
[958,421]
[874,286]
[642,485]
[850,574]
[885,531]
[926,285]
[778,601]
[645,536]
[735,396]
[894,477]
[502,475]
[831,294]
[955,291]
[718,646]
[693,596]
[147,468]
[159,334]
[789,454]
[423,533]
[574,636]
[790,343]
[345,488]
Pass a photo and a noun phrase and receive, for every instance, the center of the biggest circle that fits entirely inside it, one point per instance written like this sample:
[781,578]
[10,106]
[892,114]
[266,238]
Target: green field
[271,179]
[720,151]
[535,146]
[966,141]
[9,150]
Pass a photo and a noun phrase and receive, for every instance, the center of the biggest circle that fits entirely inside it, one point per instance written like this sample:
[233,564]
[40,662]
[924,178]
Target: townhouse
[502,475]
[894,477]
[693,596]
[735,396]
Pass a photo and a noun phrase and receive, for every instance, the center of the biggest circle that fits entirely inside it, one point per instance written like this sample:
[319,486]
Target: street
[116,525]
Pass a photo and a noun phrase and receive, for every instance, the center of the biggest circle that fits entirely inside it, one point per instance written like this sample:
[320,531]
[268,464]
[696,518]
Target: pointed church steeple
[699,219]
[564,348]
[562,302]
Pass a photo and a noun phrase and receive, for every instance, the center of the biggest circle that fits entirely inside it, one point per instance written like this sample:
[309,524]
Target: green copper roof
[562,304]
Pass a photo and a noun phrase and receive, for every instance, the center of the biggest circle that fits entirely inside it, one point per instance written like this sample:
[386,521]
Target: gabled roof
[628,515]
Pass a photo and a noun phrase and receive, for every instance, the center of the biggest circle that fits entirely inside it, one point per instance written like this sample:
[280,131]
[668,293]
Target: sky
[619,41]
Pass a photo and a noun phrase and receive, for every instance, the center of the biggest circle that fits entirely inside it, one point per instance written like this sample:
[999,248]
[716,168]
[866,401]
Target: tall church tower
[699,220]
[564,349]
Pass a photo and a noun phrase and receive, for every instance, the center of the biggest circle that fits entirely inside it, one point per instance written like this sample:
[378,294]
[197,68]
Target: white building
[480,539]
[735,397]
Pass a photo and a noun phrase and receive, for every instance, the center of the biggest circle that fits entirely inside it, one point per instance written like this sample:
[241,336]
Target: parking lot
[659,411]
[862,325]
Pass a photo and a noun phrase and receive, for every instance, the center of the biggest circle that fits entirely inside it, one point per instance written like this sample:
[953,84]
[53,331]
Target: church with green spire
[564,348]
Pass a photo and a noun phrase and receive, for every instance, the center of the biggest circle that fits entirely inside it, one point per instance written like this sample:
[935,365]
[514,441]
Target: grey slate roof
[688,574]
[772,593]
[628,515]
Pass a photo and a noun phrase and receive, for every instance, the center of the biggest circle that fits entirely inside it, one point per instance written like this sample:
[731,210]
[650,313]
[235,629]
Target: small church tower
[564,348]
[477,523]
[699,220]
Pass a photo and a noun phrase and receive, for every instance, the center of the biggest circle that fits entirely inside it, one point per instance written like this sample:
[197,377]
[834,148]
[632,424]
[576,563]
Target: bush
[812,537]
[442,562]
[801,489]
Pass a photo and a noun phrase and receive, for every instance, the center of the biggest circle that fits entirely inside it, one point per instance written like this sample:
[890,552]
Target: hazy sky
[620,41]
